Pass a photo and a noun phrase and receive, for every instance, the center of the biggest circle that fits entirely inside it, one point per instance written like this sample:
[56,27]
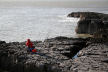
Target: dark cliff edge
[93,23]
[58,54]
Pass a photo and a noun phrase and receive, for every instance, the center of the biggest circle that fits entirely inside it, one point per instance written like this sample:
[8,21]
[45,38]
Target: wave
[64,18]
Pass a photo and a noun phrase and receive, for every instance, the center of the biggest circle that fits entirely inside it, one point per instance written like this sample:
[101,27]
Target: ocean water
[38,23]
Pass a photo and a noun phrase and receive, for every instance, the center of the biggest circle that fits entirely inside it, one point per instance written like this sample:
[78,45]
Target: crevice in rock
[75,49]
[105,61]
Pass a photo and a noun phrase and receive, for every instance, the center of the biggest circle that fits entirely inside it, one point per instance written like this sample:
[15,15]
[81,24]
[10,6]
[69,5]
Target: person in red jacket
[30,46]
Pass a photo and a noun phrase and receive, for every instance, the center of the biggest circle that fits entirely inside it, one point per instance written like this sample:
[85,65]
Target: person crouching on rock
[30,46]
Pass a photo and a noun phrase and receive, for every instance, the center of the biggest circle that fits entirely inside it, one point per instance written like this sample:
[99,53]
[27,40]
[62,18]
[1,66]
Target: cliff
[92,23]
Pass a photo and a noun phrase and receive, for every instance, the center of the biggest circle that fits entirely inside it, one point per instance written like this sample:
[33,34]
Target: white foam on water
[64,18]
[18,24]
[69,22]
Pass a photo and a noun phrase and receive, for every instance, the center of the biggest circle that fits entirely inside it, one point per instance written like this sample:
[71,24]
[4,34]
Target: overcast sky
[53,0]
[60,3]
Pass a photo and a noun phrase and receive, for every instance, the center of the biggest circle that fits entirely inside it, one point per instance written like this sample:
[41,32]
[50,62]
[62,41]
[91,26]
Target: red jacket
[34,50]
[29,43]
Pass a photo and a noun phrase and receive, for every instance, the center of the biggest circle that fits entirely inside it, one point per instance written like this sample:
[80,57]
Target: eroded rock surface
[55,55]
[93,58]
[92,23]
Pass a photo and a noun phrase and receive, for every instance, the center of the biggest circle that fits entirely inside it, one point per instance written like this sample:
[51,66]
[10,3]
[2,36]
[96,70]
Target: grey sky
[56,3]
[54,0]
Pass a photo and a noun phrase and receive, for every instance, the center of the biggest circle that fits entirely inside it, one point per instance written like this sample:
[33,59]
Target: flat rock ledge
[55,55]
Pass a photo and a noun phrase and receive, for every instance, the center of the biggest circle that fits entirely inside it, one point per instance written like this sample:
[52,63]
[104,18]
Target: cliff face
[92,23]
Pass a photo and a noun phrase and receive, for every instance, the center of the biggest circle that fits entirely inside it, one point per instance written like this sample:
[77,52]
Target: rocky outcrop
[92,23]
[55,55]
[89,15]
[93,58]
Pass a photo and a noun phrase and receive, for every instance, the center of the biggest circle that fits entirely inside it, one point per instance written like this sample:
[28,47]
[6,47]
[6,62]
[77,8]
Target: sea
[39,23]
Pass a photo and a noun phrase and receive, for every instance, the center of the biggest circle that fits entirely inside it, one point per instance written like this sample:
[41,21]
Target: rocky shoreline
[59,54]
[55,55]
